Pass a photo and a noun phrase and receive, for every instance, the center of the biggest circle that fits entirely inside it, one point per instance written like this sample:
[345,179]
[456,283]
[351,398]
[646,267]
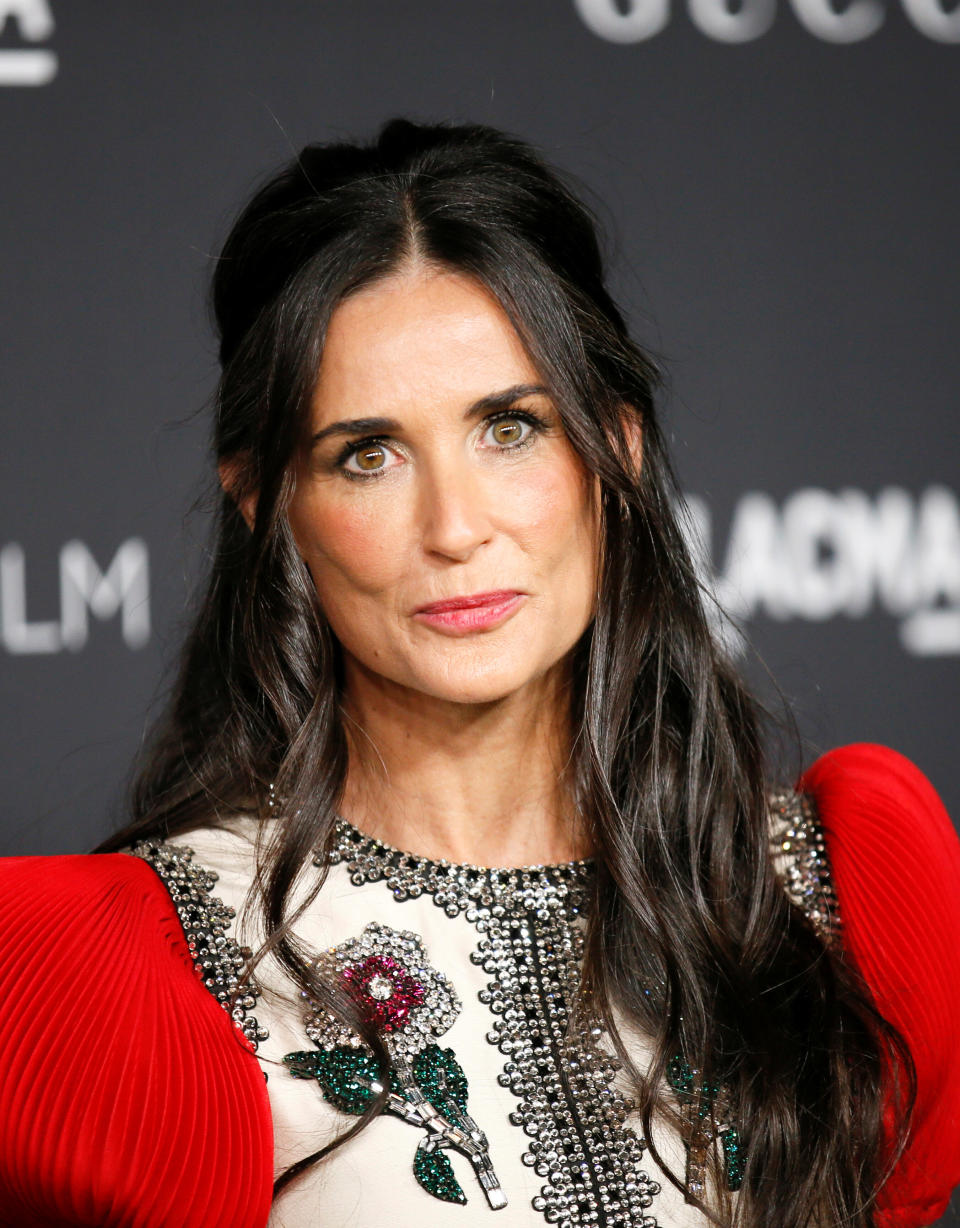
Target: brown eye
[370,457]
[507,431]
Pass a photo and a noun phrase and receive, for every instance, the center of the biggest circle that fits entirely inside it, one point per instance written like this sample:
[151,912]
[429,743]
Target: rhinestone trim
[206,920]
[531,947]
[799,849]
[544,890]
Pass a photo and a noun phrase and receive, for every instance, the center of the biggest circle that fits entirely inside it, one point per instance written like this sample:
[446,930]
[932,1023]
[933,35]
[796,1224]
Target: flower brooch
[410,1004]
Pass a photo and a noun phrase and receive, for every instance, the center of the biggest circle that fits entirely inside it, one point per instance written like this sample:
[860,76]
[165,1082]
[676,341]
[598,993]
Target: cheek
[348,549]
[556,508]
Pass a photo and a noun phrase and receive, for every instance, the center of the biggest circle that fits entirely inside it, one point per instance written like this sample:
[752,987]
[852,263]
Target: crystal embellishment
[380,988]
[530,945]
[399,994]
[206,920]
[409,1004]
[705,1109]
[799,850]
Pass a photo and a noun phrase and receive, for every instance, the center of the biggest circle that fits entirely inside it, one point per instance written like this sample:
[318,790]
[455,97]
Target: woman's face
[467,485]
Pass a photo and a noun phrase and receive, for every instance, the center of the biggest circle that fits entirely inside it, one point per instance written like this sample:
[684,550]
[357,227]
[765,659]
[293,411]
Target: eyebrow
[376,426]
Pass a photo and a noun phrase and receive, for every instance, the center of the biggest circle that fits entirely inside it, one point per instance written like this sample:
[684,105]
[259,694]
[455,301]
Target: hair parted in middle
[690,936]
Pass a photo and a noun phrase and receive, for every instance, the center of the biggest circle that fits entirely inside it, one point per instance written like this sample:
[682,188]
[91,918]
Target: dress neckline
[345,830]
[459,886]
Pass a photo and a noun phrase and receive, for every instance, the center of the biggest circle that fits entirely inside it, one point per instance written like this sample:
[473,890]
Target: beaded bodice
[489,961]
[529,946]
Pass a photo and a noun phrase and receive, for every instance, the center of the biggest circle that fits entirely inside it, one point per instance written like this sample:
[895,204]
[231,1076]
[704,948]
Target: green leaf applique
[441,1079]
[348,1077]
[434,1172]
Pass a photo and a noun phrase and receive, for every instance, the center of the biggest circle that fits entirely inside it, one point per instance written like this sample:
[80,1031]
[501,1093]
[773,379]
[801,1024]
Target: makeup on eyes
[534,421]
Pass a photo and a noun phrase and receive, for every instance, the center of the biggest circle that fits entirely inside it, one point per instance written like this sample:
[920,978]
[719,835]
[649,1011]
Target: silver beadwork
[531,946]
[217,957]
[799,850]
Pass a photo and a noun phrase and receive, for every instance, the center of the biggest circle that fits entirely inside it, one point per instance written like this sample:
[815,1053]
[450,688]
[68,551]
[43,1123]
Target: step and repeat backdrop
[780,184]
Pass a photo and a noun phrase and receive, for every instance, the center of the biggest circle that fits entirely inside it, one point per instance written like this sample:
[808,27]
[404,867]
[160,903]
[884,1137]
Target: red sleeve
[127,1096]
[895,858]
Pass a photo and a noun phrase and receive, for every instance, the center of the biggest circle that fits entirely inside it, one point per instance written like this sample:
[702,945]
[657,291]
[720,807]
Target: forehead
[419,338]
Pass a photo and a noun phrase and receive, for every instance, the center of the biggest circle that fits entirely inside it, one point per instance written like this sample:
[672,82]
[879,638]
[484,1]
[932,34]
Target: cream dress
[468,973]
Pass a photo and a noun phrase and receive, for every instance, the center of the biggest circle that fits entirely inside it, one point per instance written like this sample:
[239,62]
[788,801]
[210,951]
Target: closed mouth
[469,602]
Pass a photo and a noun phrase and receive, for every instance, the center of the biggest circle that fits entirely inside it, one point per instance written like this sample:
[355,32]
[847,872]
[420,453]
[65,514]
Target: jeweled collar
[544,890]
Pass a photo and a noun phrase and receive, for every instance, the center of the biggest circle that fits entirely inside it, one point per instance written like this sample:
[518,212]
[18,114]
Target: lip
[469,602]
[476,612]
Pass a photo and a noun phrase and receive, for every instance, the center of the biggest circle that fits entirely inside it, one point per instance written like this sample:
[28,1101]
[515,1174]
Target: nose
[454,512]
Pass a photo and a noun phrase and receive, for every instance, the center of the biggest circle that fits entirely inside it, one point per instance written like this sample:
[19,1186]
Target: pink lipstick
[476,612]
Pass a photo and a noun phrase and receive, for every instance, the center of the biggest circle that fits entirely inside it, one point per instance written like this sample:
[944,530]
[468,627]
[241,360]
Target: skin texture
[456,742]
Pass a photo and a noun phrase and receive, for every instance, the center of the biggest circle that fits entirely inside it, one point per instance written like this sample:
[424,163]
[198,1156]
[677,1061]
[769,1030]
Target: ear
[231,470]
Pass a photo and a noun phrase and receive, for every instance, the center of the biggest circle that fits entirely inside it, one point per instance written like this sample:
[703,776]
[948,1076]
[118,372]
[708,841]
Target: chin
[474,688]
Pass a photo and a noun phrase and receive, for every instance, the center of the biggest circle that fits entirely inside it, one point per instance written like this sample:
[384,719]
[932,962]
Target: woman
[611,978]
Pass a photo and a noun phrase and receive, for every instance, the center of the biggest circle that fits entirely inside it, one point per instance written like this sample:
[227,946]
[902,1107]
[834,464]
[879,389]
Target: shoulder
[893,852]
[868,790]
[894,859]
[102,909]
[105,1024]
[77,903]
[105,922]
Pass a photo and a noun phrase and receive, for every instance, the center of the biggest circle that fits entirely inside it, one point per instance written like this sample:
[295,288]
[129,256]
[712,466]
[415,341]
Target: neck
[477,783]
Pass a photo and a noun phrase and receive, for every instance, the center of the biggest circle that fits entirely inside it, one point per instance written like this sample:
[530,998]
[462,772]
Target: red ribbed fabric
[896,864]
[127,1096]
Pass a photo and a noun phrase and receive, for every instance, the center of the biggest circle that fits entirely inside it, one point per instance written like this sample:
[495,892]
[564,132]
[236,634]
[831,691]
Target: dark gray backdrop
[782,185]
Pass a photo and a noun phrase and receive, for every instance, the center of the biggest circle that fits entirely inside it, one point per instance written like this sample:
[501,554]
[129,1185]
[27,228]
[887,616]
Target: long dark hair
[667,764]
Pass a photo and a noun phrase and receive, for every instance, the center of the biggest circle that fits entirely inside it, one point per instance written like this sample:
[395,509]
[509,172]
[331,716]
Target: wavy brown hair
[667,764]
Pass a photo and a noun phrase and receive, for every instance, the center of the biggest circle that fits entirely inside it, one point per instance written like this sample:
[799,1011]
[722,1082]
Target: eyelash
[521,415]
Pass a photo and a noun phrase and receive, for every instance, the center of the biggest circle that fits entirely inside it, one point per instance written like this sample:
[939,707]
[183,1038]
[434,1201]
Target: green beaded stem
[346,1075]
[681,1078]
[734,1158]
